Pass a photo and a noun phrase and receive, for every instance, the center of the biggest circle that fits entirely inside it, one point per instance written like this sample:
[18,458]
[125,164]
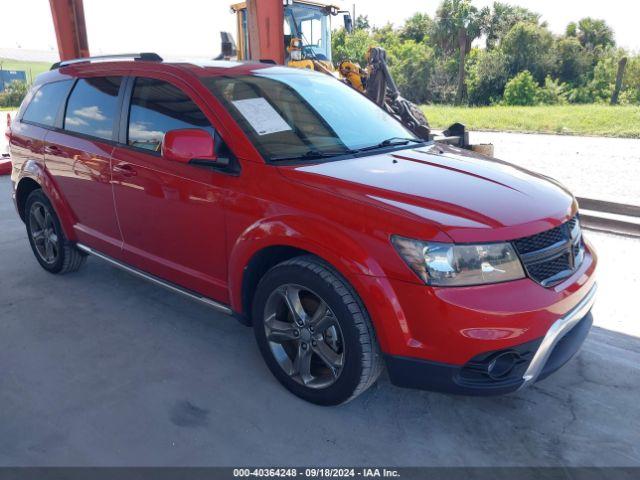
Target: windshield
[311,25]
[288,113]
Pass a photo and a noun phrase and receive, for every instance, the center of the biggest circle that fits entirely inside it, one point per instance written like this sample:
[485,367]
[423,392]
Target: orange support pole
[265,22]
[71,30]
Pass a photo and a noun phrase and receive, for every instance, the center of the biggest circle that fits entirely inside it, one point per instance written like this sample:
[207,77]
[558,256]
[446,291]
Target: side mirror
[185,145]
[348,23]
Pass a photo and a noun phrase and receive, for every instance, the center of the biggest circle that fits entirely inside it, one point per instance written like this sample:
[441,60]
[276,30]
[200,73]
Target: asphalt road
[101,368]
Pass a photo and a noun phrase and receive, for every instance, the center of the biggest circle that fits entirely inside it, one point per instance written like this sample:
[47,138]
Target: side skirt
[153,279]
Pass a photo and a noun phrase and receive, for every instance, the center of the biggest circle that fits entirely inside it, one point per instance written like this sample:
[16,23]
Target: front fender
[34,170]
[344,253]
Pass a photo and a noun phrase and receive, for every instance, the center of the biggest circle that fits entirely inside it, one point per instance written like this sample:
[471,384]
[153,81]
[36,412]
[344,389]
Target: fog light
[502,364]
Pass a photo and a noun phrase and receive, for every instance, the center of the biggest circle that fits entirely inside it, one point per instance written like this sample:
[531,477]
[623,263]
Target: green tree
[387,37]
[504,17]
[362,23]
[457,24]
[530,47]
[488,75]
[594,33]
[412,65]
[417,28]
[604,77]
[351,46]
[522,90]
[575,63]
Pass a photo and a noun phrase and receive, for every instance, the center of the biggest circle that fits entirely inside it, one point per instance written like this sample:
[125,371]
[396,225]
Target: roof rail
[148,56]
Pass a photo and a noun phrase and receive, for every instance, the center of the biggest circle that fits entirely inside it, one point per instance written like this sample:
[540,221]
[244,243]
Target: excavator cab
[306,32]
[312,26]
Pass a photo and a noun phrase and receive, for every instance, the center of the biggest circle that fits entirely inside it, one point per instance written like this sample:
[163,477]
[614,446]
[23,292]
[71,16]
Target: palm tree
[457,25]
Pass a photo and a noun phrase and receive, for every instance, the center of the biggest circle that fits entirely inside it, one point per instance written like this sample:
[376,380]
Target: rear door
[42,111]
[79,159]
[171,214]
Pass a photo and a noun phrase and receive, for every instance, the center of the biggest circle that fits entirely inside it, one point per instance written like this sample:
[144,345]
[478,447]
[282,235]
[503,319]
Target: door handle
[125,169]
[53,149]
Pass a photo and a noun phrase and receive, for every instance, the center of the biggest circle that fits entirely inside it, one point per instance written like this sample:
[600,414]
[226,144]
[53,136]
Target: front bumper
[502,371]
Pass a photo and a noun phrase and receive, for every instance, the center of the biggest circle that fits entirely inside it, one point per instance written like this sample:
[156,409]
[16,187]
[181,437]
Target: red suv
[292,202]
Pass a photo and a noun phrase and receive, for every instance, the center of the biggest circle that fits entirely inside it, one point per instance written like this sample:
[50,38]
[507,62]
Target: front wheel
[314,332]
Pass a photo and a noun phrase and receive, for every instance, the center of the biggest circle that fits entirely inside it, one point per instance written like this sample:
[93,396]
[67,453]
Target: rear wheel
[314,333]
[51,248]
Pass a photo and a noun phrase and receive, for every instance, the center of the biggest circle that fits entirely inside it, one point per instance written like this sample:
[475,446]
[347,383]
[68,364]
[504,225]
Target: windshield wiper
[313,154]
[391,142]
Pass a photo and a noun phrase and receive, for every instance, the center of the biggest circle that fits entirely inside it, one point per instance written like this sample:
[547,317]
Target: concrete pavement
[101,368]
[591,167]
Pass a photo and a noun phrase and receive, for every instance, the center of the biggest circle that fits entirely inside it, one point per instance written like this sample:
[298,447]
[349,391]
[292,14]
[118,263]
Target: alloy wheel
[304,336]
[42,229]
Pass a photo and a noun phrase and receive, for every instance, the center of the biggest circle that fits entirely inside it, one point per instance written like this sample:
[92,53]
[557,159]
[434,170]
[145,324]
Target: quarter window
[92,107]
[156,108]
[46,102]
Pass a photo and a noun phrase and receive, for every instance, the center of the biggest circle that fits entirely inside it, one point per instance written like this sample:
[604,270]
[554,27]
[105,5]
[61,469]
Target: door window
[93,106]
[156,108]
[46,102]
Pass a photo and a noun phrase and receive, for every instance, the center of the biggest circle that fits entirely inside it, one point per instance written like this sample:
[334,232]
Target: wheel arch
[34,176]
[23,190]
[274,241]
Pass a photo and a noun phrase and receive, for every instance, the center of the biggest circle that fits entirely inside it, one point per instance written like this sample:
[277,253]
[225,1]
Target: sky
[191,27]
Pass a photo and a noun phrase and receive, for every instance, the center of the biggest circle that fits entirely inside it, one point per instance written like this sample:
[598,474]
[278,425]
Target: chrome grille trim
[553,255]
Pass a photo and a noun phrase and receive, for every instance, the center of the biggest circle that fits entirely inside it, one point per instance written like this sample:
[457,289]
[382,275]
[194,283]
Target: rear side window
[46,102]
[92,107]
[156,108]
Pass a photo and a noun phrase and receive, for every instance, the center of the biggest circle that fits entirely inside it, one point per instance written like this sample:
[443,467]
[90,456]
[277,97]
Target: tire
[48,242]
[343,355]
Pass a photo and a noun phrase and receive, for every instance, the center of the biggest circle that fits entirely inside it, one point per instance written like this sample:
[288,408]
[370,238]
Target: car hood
[468,196]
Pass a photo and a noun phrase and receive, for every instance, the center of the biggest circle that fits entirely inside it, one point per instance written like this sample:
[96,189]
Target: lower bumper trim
[557,331]
[539,358]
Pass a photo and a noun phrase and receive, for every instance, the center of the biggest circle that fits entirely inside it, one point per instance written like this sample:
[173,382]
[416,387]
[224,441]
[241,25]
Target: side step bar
[153,279]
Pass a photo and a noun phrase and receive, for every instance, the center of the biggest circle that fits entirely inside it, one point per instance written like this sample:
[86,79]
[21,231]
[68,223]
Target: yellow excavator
[297,33]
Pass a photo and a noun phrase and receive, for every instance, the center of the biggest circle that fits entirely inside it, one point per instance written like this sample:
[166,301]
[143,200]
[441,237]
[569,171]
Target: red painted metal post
[71,30]
[265,22]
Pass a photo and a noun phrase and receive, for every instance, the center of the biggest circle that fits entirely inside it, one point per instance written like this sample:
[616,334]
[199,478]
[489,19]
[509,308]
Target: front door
[171,215]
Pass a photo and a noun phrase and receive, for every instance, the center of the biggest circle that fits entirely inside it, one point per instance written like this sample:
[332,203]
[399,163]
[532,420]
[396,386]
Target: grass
[597,120]
[33,69]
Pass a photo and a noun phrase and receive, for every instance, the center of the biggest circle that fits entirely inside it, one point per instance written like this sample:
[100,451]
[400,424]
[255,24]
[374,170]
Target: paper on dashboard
[262,117]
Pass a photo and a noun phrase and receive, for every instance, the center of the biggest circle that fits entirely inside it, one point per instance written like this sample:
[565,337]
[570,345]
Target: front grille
[541,240]
[553,255]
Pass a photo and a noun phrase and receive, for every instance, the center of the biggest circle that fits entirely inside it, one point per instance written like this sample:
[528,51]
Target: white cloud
[75,122]
[92,113]
[139,131]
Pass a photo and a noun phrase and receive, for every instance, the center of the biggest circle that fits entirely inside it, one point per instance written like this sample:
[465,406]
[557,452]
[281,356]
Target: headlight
[448,264]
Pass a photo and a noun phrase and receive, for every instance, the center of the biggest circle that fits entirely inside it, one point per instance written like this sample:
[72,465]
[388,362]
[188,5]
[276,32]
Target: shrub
[522,90]
[631,85]
[13,94]
[584,94]
[552,93]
